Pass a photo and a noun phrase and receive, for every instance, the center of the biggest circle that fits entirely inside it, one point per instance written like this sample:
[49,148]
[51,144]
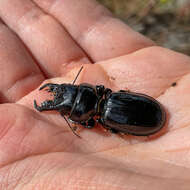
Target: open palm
[48,40]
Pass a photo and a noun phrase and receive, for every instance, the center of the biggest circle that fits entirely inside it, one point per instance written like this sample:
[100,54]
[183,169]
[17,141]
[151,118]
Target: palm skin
[38,150]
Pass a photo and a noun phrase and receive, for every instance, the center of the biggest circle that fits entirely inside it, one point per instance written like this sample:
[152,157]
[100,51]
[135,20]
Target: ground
[164,21]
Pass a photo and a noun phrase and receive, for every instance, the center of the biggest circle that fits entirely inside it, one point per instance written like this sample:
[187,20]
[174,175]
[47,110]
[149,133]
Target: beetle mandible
[120,112]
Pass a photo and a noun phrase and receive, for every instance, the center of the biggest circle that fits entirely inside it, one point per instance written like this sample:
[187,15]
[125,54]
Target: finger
[94,28]
[49,43]
[19,73]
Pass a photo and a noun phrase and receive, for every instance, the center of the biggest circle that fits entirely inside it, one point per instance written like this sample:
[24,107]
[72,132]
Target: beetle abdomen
[133,113]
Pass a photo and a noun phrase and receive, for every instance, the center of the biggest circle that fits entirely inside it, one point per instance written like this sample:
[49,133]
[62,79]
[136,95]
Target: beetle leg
[100,90]
[89,124]
[73,129]
[107,93]
[100,121]
[113,131]
[83,123]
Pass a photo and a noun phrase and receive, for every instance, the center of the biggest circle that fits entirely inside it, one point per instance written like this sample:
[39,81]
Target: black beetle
[119,112]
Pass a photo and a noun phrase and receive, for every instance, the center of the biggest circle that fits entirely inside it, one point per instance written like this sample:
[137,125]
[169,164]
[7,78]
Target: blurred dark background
[167,22]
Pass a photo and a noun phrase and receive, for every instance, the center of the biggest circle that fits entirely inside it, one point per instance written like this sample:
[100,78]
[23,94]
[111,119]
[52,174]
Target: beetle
[119,112]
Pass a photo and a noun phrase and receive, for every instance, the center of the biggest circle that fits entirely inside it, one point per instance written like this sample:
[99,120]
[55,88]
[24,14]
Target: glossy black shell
[133,113]
[85,103]
[120,112]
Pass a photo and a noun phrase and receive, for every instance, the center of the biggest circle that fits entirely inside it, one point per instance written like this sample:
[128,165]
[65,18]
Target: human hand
[53,39]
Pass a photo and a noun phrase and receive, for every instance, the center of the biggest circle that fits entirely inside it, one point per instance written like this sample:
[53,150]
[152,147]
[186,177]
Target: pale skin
[47,41]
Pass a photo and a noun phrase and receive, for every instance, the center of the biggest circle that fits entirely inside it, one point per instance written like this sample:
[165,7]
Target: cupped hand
[47,41]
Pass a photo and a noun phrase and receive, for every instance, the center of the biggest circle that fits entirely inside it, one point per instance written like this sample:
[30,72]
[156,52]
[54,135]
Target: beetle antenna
[71,127]
[77,75]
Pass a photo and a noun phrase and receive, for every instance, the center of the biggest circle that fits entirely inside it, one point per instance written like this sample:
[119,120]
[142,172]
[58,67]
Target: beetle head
[56,91]
[63,97]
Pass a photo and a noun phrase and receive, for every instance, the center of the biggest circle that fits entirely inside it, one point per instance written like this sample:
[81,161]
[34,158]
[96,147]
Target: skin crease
[38,150]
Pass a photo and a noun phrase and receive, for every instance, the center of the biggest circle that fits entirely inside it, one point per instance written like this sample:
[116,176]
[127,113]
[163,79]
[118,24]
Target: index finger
[100,34]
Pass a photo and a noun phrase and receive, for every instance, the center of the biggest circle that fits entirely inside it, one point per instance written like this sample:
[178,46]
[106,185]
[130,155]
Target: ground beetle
[119,112]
